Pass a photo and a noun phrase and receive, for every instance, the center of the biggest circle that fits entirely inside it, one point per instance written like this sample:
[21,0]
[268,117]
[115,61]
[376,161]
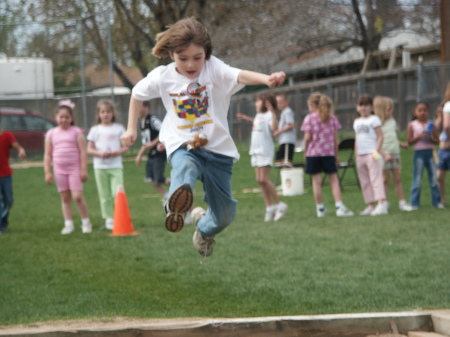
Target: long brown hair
[268,97]
[324,105]
[180,35]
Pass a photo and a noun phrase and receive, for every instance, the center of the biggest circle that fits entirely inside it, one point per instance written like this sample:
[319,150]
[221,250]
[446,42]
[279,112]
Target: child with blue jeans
[7,141]
[196,90]
[420,133]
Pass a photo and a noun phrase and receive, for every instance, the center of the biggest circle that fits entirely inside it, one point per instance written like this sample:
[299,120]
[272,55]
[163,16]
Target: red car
[29,128]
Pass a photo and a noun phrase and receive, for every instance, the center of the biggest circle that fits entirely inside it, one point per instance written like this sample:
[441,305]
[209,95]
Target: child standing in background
[157,157]
[444,143]
[420,133]
[390,150]
[285,133]
[196,89]
[321,150]
[104,144]
[368,141]
[7,141]
[262,152]
[65,147]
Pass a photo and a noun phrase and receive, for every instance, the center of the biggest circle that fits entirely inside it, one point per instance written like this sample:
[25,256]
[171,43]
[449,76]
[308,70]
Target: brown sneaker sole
[174,222]
[179,203]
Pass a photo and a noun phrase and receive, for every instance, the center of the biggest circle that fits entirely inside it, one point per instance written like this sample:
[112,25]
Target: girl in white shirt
[368,141]
[104,145]
[265,123]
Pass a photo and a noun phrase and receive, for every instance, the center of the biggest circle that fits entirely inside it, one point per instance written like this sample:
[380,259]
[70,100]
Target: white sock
[339,204]
[68,223]
[85,221]
[320,206]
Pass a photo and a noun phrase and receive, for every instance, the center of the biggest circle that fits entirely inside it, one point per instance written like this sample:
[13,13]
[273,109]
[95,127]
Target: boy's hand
[160,147]
[277,78]
[22,154]
[138,160]
[128,138]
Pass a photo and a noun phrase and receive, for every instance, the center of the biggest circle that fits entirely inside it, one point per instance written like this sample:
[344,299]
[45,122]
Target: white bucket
[292,181]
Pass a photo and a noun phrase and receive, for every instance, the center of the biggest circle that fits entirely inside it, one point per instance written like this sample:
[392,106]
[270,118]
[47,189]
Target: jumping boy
[196,90]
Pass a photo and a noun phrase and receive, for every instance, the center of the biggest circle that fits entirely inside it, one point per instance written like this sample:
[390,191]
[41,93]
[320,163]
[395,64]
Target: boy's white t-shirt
[366,137]
[194,106]
[107,139]
[262,140]
[287,117]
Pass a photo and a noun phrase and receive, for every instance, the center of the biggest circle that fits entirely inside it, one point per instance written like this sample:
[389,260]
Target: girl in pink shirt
[65,147]
[420,134]
[320,143]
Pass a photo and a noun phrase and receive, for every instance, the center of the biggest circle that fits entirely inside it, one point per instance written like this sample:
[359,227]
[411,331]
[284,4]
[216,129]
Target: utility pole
[445,31]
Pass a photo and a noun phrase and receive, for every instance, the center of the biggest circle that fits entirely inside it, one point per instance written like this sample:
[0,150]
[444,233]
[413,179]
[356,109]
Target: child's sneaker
[86,227]
[203,244]
[321,211]
[343,211]
[404,206]
[196,214]
[280,211]
[367,211]
[179,203]
[381,209]
[68,229]
[440,205]
[109,224]
[270,213]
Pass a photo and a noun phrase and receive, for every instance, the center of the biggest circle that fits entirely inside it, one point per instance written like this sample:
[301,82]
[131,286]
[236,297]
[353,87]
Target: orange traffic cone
[122,217]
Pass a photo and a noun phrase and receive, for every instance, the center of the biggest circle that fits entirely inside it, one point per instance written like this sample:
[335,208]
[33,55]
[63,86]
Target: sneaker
[179,203]
[86,227]
[196,214]
[440,205]
[367,210]
[343,211]
[203,244]
[67,230]
[321,212]
[270,214]
[280,211]
[404,206]
[109,224]
[381,209]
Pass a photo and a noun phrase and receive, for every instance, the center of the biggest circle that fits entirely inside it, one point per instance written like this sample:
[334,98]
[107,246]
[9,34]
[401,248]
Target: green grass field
[298,266]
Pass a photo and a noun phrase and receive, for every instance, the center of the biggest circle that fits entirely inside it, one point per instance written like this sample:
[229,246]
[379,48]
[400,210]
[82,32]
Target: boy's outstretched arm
[129,137]
[248,77]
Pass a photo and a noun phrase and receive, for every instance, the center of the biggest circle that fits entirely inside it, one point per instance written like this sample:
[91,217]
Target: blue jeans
[214,171]
[6,201]
[424,159]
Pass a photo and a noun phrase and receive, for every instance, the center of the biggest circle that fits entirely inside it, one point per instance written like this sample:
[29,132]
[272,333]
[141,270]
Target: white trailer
[26,78]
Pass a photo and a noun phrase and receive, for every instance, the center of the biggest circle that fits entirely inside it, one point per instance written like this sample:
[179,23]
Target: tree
[251,34]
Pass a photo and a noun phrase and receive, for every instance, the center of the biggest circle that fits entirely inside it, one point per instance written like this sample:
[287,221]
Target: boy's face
[190,61]
[282,103]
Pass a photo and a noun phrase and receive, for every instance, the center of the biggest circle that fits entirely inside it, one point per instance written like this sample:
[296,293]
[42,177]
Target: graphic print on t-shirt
[191,104]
